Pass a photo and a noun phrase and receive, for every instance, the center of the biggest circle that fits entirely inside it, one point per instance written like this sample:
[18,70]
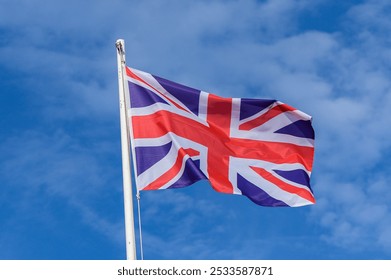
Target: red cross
[216,137]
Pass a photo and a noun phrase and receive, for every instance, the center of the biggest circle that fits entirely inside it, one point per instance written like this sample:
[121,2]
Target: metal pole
[125,144]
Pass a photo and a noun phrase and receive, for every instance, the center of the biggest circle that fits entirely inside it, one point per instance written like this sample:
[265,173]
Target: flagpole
[125,145]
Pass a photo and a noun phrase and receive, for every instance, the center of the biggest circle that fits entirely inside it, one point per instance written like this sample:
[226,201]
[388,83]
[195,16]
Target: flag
[259,148]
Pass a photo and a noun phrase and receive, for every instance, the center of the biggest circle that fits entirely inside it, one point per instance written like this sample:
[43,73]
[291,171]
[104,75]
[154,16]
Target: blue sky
[60,165]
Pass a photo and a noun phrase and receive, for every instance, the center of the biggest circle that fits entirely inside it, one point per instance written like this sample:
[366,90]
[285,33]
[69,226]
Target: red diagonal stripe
[284,186]
[173,171]
[131,74]
[260,120]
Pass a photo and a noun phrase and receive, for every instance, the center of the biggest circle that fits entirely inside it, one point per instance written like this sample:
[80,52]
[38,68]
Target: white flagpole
[125,143]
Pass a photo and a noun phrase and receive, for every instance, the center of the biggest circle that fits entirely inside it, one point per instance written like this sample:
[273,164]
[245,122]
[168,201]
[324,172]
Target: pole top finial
[120,45]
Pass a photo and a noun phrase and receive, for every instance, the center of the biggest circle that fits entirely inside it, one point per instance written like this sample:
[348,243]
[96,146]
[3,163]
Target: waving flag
[259,148]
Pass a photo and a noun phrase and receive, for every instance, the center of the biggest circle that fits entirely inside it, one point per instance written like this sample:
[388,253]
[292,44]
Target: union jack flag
[259,148]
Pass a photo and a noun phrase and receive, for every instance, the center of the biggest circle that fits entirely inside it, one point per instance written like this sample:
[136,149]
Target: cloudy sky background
[60,159]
